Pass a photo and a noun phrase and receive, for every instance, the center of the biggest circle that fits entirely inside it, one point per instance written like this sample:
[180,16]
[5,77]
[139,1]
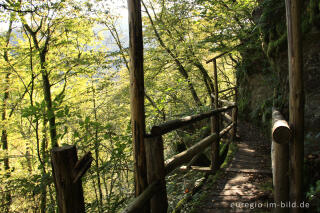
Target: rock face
[263,77]
[312,84]
[261,86]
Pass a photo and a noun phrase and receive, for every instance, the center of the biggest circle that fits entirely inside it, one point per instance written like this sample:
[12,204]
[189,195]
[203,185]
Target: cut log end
[281,134]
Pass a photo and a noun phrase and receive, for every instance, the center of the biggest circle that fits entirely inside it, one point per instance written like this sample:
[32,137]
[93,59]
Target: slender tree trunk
[115,36]
[4,133]
[43,204]
[4,142]
[181,68]
[206,78]
[47,96]
[137,97]
[42,51]
[96,150]
[215,147]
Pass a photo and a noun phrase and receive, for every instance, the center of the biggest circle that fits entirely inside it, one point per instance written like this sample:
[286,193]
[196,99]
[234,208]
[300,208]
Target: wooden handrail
[226,130]
[216,57]
[280,158]
[183,157]
[144,197]
[230,103]
[171,164]
[226,116]
[230,88]
[175,124]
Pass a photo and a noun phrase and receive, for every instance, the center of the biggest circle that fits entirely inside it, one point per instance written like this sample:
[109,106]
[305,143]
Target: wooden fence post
[235,121]
[280,160]
[156,172]
[296,100]
[67,172]
[215,122]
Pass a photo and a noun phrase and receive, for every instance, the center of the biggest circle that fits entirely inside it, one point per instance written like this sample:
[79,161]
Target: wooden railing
[281,134]
[158,168]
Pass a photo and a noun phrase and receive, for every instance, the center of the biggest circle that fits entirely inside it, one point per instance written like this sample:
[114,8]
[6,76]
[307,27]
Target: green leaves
[36,110]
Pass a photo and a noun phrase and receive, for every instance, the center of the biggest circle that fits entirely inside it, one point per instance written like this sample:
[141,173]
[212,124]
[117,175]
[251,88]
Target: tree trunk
[47,96]
[96,150]
[206,78]
[137,97]
[44,157]
[4,141]
[42,51]
[181,68]
[4,133]
[215,123]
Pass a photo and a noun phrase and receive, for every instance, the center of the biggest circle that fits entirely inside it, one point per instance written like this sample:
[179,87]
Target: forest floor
[246,183]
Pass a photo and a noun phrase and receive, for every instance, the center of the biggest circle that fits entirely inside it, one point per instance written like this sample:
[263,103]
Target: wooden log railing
[158,168]
[281,134]
[178,123]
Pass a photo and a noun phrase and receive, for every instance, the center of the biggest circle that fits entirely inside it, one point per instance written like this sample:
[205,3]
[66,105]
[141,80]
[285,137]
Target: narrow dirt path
[241,188]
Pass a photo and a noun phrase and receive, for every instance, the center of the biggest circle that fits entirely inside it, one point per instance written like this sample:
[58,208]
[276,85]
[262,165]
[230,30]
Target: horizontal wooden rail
[175,124]
[227,102]
[216,57]
[144,197]
[185,156]
[230,103]
[228,96]
[226,130]
[156,175]
[230,88]
[226,116]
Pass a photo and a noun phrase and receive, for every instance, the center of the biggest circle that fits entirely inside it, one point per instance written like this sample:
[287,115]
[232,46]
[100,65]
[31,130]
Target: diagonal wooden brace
[81,167]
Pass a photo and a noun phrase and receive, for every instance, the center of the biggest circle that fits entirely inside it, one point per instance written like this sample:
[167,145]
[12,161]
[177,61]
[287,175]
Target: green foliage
[273,31]
[313,195]
[272,24]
